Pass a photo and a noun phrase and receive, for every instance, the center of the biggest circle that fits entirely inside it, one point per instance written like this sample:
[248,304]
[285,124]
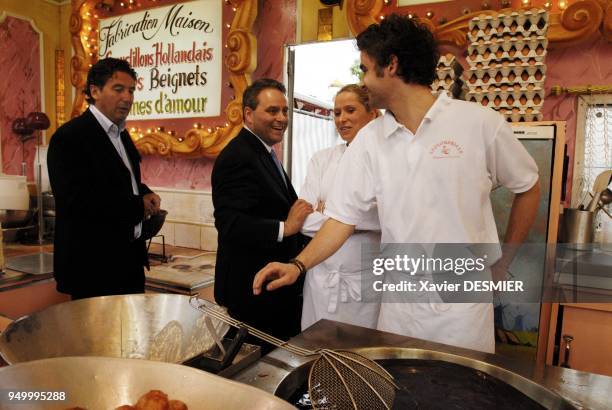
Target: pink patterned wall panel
[177,173]
[274,27]
[586,64]
[20,91]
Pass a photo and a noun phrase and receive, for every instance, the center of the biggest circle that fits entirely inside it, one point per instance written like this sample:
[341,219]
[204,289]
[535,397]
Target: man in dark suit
[257,215]
[94,170]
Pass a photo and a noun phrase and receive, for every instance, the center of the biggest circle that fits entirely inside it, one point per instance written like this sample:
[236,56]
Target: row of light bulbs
[561,4]
[142,132]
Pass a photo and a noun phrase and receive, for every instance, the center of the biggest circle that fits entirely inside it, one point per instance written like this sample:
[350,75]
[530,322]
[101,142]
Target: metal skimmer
[338,379]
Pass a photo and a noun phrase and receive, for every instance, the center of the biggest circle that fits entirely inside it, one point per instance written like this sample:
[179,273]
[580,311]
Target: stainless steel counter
[583,390]
[12,279]
[22,293]
[590,271]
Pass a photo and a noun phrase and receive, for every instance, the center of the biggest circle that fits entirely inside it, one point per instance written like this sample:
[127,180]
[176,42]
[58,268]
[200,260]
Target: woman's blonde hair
[360,91]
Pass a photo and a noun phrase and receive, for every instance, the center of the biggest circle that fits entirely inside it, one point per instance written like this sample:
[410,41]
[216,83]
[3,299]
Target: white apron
[467,325]
[424,315]
[332,289]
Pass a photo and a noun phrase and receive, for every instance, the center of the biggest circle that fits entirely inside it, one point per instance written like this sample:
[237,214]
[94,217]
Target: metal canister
[577,228]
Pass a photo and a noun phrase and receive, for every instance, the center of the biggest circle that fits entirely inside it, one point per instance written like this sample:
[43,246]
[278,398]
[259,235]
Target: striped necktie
[279,167]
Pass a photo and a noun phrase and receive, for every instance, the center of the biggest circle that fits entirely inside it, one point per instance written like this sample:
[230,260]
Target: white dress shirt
[114,134]
[281,225]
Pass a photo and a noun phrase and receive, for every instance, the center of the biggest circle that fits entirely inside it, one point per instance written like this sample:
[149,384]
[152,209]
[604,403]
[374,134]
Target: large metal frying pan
[99,383]
[295,380]
[157,327]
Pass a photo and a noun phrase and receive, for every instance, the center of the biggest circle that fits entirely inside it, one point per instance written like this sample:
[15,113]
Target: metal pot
[98,383]
[151,226]
[158,327]
[12,218]
[577,229]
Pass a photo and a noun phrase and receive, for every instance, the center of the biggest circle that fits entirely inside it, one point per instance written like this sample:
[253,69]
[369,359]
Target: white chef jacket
[433,187]
[332,289]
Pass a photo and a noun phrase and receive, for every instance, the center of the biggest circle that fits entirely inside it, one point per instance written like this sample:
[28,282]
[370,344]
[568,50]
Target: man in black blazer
[257,215]
[94,170]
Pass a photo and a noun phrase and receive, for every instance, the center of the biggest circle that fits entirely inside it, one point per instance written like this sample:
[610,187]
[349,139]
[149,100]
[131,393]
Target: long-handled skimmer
[338,379]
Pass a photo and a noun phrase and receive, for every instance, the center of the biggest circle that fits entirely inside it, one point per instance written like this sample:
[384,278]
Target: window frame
[584,102]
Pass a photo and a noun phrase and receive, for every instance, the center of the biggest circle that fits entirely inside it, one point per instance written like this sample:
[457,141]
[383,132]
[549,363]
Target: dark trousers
[123,278]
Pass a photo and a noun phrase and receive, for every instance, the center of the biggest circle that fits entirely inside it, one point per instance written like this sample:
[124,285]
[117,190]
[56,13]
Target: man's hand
[151,201]
[499,271]
[326,242]
[297,214]
[280,274]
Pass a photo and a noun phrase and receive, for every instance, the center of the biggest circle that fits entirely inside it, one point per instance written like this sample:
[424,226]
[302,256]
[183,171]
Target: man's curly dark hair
[411,42]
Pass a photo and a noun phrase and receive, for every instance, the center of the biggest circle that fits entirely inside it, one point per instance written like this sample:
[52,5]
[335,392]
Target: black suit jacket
[250,200]
[96,210]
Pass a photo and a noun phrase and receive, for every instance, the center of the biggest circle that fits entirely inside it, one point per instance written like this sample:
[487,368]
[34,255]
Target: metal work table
[22,293]
[12,279]
[583,390]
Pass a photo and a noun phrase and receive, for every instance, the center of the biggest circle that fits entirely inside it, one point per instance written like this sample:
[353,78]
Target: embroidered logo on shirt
[446,149]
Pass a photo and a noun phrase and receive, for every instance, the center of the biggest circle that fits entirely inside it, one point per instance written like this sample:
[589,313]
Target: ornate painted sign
[176,52]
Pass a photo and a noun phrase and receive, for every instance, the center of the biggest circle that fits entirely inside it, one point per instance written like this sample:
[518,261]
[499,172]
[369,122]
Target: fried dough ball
[177,405]
[153,400]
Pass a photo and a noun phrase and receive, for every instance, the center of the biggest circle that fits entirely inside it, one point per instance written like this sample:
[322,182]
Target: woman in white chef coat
[332,289]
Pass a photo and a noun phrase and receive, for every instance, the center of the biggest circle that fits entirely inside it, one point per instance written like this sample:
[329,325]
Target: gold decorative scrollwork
[581,21]
[581,89]
[607,22]
[60,94]
[362,13]
[79,63]
[236,61]
[241,61]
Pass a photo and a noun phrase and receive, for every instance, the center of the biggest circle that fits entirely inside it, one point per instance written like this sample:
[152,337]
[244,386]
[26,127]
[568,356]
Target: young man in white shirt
[428,165]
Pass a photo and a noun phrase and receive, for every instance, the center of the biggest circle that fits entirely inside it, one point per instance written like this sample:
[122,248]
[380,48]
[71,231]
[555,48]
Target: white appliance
[14,193]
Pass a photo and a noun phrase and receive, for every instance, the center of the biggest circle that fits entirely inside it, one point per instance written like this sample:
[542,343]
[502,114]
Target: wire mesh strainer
[338,379]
